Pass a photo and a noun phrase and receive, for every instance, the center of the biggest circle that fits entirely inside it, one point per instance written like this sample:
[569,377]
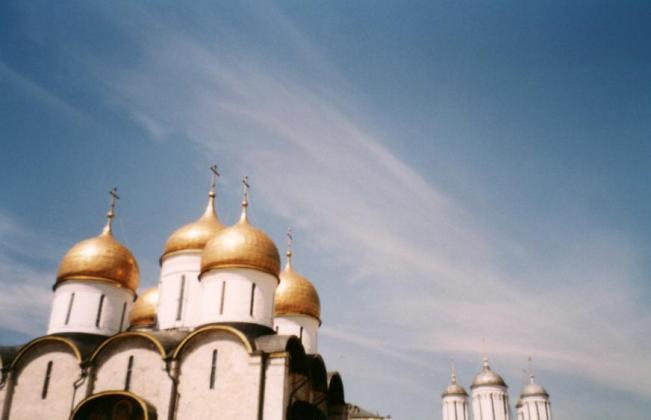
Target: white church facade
[489,399]
[227,334]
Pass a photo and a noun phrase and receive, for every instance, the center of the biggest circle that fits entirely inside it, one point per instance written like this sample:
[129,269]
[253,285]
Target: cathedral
[490,399]
[227,334]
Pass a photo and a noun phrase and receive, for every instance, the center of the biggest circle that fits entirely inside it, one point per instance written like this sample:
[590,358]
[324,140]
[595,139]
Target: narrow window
[179,308]
[213,369]
[70,302]
[99,310]
[221,304]
[277,328]
[252,299]
[124,311]
[300,337]
[127,381]
[46,381]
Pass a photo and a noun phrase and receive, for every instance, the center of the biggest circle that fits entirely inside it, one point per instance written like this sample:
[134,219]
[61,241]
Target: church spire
[245,199]
[111,212]
[288,253]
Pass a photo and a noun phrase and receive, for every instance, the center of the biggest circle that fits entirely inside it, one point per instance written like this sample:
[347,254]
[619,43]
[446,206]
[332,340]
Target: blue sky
[453,171]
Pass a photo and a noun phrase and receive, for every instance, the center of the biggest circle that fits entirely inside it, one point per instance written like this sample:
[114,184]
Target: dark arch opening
[114,405]
[301,410]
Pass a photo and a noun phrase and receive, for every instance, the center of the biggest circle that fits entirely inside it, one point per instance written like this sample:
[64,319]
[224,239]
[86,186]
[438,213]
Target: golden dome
[195,235]
[101,258]
[241,245]
[296,295]
[143,313]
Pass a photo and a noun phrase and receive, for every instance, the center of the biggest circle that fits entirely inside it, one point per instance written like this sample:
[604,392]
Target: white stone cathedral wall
[490,403]
[236,391]
[173,269]
[148,375]
[276,388]
[536,408]
[237,284]
[26,402]
[455,407]
[85,307]
[291,325]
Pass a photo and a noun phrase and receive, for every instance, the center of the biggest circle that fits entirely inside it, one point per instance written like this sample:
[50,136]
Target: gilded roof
[143,313]
[242,246]
[454,389]
[486,377]
[195,235]
[296,295]
[100,258]
[532,389]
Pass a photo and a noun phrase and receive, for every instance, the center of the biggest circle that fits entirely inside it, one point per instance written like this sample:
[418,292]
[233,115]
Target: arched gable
[335,389]
[109,400]
[126,336]
[285,344]
[317,373]
[213,328]
[45,340]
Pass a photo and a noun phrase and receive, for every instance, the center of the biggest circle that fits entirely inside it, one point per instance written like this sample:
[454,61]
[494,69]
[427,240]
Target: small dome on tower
[143,313]
[486,377]
[296,295]
[243,246]
[195,235]
[100,258]
[454,389]
[532,389]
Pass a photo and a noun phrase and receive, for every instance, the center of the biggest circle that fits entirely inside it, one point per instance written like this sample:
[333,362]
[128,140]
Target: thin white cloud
[425,268]
[24,300]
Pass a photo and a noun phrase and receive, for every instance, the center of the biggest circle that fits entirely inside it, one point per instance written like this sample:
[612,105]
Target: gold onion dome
[486,377]
[241,246]
[296,295]
[195,235]
[100,258]
[143,313]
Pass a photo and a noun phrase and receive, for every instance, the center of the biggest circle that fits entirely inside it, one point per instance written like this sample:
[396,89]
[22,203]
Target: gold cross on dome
[215,173]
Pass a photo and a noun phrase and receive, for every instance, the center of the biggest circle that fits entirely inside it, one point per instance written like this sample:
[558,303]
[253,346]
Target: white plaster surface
[27,402]
[291,325]
[86,305]
[237,296]
[173,269]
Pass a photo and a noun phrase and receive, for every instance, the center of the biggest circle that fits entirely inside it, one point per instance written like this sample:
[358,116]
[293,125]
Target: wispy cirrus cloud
[427,272]
[23,299]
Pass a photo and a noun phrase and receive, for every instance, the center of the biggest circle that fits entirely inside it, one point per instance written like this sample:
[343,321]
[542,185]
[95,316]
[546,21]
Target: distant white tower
[490,399]
[96,285]
[534,401]
[179,304]
[297,306]
[239,274]
[454,400]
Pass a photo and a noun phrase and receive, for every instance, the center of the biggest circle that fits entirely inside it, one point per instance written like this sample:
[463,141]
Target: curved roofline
[248,266]
[61,280]
[127,334]
[143,404]
[280,314]
[190,251]
[210,328]
[317,359]
[40,340]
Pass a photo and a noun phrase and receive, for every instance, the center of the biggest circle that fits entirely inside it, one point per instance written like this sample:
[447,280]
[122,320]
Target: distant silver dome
[533,390]
[454,389]
[486,377]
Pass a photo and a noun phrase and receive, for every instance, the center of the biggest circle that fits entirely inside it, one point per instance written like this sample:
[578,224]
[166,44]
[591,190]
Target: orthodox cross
[245,187]
[215,174]
[290,238]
